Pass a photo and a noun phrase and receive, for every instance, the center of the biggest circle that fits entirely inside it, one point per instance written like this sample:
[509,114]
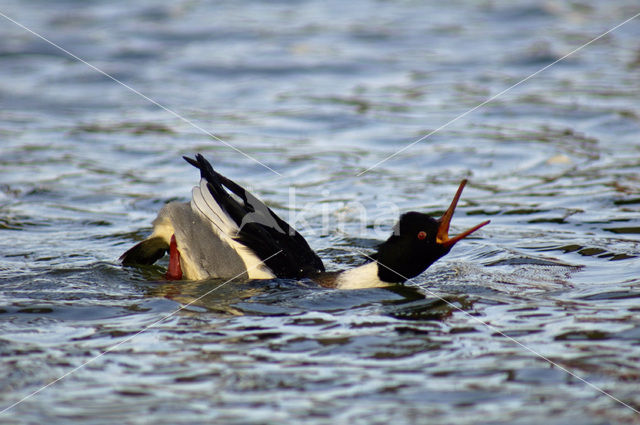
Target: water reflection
[281,297]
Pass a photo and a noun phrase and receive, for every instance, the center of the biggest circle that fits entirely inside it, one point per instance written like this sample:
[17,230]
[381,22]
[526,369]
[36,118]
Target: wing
[239,214]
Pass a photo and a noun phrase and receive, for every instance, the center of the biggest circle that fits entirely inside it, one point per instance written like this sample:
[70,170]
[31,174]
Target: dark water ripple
[320,92]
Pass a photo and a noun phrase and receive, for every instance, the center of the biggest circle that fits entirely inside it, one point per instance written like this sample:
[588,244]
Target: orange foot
[174,272]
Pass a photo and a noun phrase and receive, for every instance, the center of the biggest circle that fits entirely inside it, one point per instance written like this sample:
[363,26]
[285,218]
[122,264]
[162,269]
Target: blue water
[320,92]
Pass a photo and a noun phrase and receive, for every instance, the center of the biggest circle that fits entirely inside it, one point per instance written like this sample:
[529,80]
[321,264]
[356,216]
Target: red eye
[422,234]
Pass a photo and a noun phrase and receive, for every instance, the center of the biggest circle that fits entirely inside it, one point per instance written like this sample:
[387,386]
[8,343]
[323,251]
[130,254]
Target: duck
[226,232]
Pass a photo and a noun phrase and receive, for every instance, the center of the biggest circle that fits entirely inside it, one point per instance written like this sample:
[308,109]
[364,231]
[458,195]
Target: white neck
[364,276]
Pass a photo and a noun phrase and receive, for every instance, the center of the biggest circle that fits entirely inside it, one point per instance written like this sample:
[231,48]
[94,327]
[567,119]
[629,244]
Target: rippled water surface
[504,330]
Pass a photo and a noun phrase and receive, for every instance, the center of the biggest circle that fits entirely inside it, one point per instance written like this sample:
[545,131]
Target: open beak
[442,236]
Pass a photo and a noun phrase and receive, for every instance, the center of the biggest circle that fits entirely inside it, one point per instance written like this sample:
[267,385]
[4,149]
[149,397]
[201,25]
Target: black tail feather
[216,184]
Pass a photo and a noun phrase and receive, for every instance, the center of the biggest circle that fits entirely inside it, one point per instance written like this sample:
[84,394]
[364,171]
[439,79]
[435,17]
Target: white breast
[365,276]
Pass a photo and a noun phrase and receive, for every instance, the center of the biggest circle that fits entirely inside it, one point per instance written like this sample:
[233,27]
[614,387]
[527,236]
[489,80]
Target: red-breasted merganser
[226,232]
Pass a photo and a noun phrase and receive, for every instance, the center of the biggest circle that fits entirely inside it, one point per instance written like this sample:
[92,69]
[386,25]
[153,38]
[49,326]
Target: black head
[418,240]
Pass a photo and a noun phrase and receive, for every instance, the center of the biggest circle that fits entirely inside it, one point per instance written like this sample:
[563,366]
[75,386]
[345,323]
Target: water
[319,92]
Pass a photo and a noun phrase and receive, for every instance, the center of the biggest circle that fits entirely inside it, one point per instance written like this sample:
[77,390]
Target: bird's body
[226,232]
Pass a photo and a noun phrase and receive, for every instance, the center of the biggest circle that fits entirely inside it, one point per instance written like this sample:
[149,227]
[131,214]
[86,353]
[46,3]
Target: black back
[261,230]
